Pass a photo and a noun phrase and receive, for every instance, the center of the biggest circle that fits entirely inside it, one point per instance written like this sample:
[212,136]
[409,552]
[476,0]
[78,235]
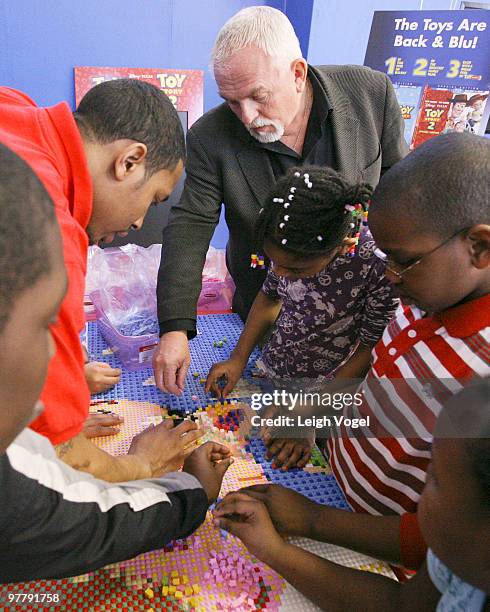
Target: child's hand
[163,448]
[208,464]
[248,519]
[290,512]
[100,376]
[98,424]
[231,370]
[288,452]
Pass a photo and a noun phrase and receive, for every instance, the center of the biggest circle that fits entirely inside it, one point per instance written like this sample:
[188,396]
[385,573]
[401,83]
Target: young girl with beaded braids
[325,295]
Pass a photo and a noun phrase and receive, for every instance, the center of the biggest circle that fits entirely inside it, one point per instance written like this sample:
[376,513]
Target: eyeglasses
[400,272]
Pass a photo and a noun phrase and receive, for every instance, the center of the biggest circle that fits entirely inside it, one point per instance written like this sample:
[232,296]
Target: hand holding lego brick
[248,519]
[100,376]
[291,513]
[163,448]
[229,370]
[208,464]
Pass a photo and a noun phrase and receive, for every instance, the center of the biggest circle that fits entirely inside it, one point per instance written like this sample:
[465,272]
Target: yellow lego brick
[196,588]
[149,593]
[179,594]
[171,590]
[174,574]
[185,579]
[176,581]
[165,591]
[188,591]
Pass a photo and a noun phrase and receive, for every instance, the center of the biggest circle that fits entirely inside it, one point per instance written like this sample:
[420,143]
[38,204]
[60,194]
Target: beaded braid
[309,212]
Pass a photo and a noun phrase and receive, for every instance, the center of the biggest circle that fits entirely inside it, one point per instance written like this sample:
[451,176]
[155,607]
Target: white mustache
[265,137]
[260,122]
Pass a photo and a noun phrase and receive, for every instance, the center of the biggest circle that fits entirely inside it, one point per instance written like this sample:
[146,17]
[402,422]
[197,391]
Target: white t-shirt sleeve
[456,595]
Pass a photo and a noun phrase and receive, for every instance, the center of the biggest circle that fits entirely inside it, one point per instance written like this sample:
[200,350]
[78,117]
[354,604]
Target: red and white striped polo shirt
[416,366]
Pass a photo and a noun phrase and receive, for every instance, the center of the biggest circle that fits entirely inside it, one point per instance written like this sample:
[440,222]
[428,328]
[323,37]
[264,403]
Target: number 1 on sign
[390,63]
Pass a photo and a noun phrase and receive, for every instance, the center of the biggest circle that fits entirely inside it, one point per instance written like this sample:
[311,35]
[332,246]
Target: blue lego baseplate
[212,329]
[322,488]
[319,487]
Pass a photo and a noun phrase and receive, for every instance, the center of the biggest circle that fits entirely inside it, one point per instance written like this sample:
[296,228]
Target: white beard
[264,137]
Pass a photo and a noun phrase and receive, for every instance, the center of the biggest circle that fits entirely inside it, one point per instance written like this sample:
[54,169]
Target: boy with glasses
[399,270]
[432,227]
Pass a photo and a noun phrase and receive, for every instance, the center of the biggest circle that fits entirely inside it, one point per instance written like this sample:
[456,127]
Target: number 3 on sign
[453,71]
[420,67]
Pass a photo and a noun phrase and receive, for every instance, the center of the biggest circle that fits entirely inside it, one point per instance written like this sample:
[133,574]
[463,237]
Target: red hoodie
[50,142]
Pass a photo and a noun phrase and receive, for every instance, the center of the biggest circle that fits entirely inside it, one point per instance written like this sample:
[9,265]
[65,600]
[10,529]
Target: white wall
[340,28]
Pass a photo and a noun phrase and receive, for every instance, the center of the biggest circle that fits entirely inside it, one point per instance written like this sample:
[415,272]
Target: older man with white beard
[278,112]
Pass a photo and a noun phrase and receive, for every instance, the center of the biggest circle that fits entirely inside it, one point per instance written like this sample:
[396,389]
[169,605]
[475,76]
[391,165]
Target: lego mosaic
[210,570]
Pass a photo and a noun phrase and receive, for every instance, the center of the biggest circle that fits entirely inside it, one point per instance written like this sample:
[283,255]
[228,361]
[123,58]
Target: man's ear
[130,161]
[300,71]
[479,241]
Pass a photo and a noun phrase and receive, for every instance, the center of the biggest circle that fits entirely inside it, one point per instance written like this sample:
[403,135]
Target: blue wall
[42,40]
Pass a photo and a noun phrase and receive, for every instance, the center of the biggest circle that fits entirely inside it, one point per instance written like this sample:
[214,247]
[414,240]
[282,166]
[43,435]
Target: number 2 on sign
[420,67]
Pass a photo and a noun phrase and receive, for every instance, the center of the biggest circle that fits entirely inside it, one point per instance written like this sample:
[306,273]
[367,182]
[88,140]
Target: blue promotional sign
[438,47]
[439,63]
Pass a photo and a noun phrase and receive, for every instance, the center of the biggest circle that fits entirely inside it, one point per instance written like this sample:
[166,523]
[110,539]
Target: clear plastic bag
[218,287]
[122,284]
[126,277]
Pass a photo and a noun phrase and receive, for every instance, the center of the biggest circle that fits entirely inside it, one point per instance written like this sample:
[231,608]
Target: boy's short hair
[139,111]
[443,185]
[26,211]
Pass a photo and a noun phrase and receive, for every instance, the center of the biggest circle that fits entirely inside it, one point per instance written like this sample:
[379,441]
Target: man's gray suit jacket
[225,165]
